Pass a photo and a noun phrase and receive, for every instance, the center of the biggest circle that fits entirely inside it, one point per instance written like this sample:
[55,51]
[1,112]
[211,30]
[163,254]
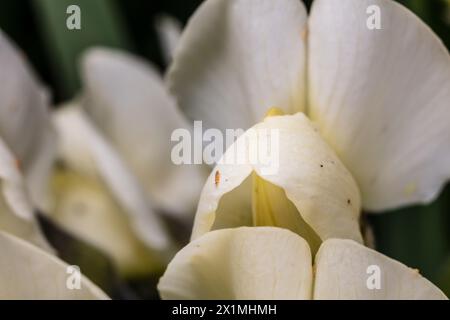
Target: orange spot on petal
[217,178]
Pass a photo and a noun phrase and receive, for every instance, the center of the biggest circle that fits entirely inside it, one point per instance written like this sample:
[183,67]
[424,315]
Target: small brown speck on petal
[217,178]
[19,164]
[304,34]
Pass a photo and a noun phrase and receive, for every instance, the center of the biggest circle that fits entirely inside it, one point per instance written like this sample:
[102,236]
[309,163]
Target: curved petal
[25,123]
[16,213]
[347,270]
[27,272]
[304,171]
[241,263]
[127,100]
[381,98]
[84,207]
[236,59]
[85,150]
[169,32]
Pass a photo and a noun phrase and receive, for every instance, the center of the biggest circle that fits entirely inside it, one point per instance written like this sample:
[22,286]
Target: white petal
[85,150]
[381,99]
[169,32]
[16,213]
[29,273]
[241,263]
[348,270]
[236,59]
[24,118]
[84,207]
[310,174]
[127,100]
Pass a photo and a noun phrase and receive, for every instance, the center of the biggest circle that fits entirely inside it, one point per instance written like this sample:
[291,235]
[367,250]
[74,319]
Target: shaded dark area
[18,21]
[139,16]
[418,236]
[94,263]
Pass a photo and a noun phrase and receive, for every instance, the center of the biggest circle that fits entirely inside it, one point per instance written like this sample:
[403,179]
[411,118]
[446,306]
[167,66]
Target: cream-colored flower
[377,100]
[380,97]
[274,263]
[310,191]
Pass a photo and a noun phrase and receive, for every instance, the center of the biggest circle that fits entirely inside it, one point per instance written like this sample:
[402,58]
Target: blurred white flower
[16,212]
[28,268]
[25,118]
[94,196]
[274,263]
[74,175]
[127,100]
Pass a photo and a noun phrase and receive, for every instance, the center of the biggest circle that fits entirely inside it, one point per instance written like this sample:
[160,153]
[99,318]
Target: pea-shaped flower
[379,96]
[377,137]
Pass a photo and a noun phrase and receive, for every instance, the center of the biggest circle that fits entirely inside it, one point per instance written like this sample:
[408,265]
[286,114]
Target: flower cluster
[361,116]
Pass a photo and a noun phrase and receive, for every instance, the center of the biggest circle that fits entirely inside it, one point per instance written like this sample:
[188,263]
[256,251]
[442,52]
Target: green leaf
[443,280]
[100,25]
[417,236]
[420,7]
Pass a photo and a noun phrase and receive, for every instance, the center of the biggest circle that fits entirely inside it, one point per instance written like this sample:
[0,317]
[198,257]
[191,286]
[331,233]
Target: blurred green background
[418,236]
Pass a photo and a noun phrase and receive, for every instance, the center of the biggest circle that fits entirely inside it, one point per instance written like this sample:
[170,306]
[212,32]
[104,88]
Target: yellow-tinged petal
[347,270]
[83,149]
[310,192]
[84,207]
[241,263]
[271,207]
[95,190]
[27,272]
[274,111]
